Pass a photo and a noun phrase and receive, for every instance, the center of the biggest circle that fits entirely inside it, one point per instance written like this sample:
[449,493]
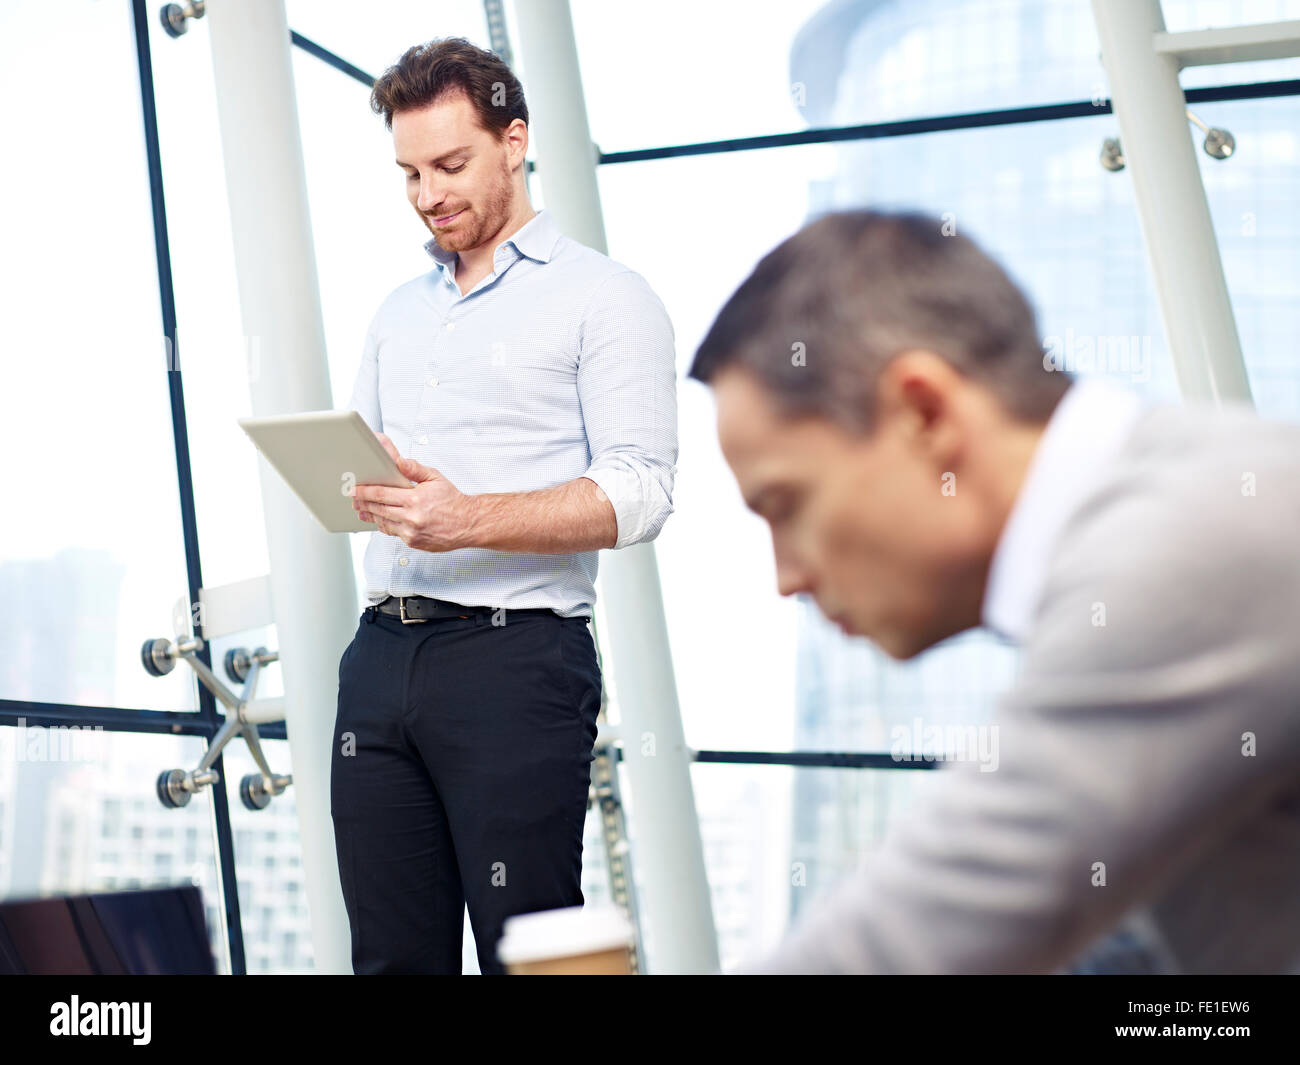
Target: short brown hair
[444,67]
[856,288]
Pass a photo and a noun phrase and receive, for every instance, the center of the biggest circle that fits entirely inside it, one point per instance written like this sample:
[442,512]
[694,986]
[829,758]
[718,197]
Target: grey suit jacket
[1149,769]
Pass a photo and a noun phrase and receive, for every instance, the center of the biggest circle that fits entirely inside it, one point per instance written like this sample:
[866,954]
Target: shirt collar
[1089,426]
[536,239]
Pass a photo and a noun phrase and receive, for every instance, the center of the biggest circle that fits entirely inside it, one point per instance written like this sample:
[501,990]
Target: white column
[1175,216]
[668,856]
[313,590]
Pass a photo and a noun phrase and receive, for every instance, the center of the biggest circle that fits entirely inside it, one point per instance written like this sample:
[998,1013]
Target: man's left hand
[433,515]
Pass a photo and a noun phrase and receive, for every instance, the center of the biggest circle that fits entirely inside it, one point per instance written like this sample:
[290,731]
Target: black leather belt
[413,609]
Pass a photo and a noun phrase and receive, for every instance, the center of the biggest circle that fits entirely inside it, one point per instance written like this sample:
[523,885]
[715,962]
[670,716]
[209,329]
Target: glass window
[1252,202]
[374,38]
[272,891]
[743,694]
[777,837]
[214,355]
[1185,15]
[1037,198]
[715,596]
[684,72]
[812,64]
[91,551]
[82,814]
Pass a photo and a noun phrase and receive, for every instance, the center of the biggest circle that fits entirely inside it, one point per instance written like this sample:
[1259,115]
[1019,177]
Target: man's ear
[517,136]
[918,396]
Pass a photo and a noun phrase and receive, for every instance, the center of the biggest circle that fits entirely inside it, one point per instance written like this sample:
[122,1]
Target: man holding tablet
[526,385]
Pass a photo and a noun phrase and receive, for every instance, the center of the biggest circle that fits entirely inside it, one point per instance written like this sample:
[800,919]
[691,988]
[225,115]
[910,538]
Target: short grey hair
[852,290]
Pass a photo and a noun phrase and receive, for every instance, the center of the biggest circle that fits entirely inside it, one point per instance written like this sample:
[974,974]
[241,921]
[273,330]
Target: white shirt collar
[536,239]
[1089,427]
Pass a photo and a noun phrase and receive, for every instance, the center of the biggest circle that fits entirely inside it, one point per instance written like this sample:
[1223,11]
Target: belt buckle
[401,608]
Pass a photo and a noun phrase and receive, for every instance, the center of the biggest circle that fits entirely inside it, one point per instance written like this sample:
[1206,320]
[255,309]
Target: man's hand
[433,515]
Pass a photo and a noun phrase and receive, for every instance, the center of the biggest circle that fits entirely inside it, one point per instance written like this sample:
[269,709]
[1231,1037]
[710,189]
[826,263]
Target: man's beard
[478,228]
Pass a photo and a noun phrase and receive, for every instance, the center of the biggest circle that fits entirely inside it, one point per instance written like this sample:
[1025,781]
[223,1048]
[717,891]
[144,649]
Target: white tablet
[321,454]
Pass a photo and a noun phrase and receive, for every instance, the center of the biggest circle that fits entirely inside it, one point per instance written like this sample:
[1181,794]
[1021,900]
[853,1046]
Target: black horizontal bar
[827,759]
[190,723]
[337,62]
[1250,90]
[110,718]
[121,719]
[941,123]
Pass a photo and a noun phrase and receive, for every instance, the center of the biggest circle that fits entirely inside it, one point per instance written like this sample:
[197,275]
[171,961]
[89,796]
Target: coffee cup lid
[559,933]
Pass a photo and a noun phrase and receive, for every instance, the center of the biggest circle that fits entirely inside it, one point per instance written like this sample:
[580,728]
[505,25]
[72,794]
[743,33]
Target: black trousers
[460,774]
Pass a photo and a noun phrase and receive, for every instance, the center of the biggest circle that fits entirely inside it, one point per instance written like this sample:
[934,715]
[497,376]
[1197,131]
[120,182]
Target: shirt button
[403,561]
[432,381]
[451,326]
[422,440]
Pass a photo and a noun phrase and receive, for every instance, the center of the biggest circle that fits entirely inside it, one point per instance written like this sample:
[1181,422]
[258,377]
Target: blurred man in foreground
[885,405]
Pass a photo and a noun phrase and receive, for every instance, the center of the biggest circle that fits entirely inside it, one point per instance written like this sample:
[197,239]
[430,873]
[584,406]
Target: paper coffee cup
[574,941]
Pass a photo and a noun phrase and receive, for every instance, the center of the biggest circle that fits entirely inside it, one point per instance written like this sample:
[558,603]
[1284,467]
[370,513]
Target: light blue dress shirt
[559,364]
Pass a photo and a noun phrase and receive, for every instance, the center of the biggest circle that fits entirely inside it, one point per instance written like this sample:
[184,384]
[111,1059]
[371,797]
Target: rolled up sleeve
[627,385]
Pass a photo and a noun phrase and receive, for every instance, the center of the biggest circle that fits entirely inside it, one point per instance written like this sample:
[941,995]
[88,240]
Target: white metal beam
[1175,215]
[312,585]
[1231,44]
